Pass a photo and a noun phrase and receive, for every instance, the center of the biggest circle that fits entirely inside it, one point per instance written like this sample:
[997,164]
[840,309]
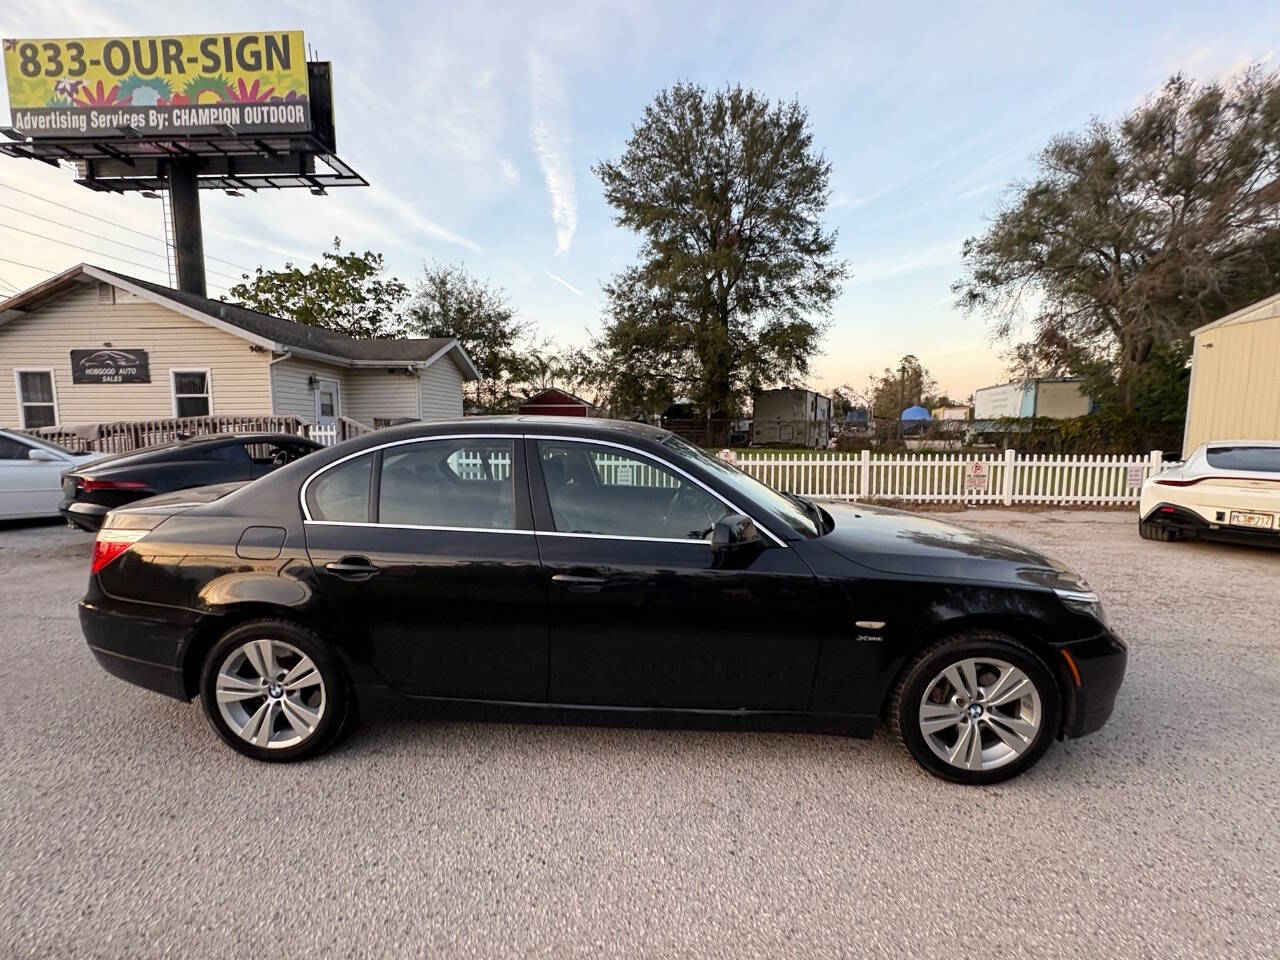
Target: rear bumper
[1188,522]
[1100,662]
[86,516]
[131,643]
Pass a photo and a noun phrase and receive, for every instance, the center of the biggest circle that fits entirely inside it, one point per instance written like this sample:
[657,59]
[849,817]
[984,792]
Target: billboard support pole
[188,237]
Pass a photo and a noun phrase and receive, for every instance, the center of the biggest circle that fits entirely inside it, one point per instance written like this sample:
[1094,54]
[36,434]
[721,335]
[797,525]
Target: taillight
[110,544]
[90,485]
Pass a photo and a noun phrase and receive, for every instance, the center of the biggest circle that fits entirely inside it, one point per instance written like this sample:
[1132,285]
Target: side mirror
[41,455]
[734,538]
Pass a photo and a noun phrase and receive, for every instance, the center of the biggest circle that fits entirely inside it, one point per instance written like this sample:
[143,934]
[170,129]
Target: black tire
[1153,531]
[339,703]
[918,675]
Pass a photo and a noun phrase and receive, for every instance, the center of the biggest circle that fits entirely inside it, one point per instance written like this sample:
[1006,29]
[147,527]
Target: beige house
[1235,377]
[90,346]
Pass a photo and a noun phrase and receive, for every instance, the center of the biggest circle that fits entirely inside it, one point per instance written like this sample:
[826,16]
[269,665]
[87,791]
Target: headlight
[1083,601]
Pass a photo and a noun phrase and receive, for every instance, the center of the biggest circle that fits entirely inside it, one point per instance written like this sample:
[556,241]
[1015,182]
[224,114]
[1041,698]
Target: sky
[477,125]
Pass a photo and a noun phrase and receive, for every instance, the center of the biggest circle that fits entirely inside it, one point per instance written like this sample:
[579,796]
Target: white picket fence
[996,478]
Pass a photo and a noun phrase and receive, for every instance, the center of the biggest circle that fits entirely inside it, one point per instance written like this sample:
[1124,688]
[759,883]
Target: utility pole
[902,389]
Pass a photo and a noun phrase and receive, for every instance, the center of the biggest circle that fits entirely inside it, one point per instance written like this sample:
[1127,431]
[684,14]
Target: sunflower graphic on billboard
[252,83]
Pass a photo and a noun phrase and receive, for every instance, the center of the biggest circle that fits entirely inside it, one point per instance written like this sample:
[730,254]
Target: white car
[1227,488]
[31,475]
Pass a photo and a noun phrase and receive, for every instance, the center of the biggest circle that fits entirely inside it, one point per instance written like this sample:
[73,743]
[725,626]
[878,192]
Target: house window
[192,394]
[37,401]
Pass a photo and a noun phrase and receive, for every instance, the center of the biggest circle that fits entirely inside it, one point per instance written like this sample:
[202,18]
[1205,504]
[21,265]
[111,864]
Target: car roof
[586,427]
[1241,443]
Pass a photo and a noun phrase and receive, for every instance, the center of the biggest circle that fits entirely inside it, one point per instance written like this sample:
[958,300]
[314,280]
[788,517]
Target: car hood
[893,541]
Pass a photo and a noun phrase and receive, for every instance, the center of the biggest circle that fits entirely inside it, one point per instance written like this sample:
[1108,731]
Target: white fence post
[1157,462]
[1010,458]
[864,476]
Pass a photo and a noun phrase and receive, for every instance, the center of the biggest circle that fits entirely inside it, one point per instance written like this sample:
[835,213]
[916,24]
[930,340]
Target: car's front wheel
[274,691]
[978,707]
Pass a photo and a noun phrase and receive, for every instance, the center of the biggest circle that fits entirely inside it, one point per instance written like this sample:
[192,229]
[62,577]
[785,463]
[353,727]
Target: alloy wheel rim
[270,694]
[980,713]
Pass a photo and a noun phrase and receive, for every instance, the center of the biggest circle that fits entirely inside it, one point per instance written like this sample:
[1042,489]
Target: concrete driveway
[130,831]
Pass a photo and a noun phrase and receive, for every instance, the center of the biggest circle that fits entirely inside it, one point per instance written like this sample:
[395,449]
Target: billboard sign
[159,87]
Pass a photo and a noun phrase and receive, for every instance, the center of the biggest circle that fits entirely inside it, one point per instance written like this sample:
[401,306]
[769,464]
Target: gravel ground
[130,831]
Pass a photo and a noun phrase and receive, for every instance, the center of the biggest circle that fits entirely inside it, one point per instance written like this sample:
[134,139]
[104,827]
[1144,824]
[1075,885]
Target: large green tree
[347,292]
[736,273]
[1134,232]
[449,301]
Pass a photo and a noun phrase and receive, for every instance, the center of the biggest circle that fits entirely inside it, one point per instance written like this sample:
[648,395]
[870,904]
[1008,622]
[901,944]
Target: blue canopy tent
[914,419]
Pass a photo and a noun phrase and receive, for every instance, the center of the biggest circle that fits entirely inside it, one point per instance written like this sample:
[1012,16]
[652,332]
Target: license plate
[1241,518]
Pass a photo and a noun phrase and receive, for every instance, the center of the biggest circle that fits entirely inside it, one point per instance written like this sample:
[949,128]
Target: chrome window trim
[530,533]
[414,526]
[306,484]
[671,466]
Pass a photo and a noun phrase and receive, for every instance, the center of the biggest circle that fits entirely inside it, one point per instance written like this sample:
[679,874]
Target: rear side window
[1254,459]
[234,452]
[12,449]
[342,493]
[449,483]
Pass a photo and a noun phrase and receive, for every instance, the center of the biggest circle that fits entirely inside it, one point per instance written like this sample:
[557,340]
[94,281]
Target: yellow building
[1235,377]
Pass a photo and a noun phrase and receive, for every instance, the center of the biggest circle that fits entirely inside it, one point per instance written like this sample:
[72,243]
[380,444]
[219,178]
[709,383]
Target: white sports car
[1228,489]
[31,475]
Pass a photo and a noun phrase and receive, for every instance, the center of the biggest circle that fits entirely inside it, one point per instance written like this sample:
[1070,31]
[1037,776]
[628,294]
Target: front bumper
[132,643]
[1099,666]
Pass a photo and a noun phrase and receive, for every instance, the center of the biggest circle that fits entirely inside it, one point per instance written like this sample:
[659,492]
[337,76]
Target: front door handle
[352,568]
[580,583]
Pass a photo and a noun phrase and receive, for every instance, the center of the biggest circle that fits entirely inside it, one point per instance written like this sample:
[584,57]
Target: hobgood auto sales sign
[110,366]
[105,87]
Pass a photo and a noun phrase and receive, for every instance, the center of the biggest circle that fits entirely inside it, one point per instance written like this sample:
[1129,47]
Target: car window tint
[449,483]
[1255,459]
[269,453]
[233,452]
[342,493]
[12,449]
[604,490]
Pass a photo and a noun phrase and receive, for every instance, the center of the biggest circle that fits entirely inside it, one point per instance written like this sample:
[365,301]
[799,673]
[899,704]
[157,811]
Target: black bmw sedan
[91,491]
[558,563]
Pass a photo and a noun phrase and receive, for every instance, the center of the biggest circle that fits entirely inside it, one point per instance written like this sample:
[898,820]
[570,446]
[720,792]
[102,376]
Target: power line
[99,236]
[101,253]
[119,226]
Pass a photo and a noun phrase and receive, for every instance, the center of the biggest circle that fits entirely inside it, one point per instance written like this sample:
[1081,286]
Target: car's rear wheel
[1154,531]
[978,707]
[274,691]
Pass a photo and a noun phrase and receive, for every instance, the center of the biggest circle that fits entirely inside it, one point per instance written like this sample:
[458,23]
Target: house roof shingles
[291,334]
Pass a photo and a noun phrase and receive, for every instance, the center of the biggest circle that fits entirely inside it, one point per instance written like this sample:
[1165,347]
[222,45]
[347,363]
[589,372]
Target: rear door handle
[580,583]
[353,568]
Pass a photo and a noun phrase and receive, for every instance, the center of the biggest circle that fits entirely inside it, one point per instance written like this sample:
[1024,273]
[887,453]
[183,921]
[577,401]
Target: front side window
[1250,459]
[35,398]
[449,483]
[269,453]
[603,490]
[191,394]
[341,494]
[12,449]
[780,506]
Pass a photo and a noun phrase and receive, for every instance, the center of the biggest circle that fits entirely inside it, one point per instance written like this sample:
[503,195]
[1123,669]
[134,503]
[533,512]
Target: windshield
[780,505]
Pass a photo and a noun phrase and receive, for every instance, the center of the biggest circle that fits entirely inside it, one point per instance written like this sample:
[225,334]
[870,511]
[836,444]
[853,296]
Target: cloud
[510,172]
[940,255]
[550,133]
[979,190]
[564,283]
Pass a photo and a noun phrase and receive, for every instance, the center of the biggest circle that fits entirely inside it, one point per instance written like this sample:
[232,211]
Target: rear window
[1254,459]
[342,493]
